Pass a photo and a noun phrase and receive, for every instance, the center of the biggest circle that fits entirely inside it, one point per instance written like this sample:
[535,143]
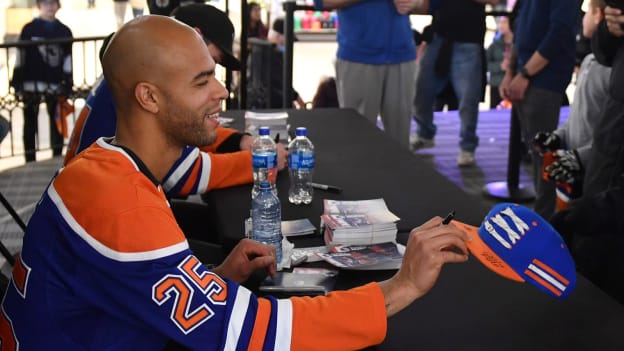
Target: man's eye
[202,83]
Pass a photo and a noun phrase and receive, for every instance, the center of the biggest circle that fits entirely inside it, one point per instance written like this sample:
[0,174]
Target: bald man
[224,163]
[82,283]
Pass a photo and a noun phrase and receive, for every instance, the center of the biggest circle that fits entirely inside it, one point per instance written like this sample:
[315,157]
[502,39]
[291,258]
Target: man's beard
[187,127]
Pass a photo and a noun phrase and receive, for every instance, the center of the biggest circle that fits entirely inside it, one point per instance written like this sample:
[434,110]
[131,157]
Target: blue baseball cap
[518,244]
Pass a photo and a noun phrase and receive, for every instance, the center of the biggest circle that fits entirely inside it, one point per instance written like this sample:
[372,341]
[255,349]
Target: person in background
[325,95]
[593,226]
[43,71]
[446,99]
[120,7]
[454,55]
[276,37]
[113,262]
[137,7]
[540,69]
[498,54]
[570,145]
[376,60]
[605,169]
[256,29]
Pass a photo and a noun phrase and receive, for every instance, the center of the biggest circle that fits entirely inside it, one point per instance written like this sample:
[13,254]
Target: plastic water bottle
[264,161]
[301,167]
[266,219]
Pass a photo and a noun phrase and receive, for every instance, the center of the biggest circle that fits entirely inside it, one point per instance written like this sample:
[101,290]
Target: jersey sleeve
[197,171]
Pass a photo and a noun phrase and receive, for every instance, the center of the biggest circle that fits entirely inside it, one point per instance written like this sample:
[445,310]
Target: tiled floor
[22,186]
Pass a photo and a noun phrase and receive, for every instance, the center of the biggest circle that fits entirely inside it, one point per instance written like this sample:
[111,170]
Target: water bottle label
[264,160]
[301,160]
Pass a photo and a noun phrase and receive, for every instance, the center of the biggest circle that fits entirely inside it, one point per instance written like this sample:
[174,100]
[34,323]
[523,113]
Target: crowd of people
[117,260]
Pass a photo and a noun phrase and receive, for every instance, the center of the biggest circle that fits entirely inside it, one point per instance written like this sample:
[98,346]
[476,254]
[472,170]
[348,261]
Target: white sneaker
[417,142]
[465,158]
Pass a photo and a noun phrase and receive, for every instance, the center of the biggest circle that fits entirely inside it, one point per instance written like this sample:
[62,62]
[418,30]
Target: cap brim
[485,255]
[229,61]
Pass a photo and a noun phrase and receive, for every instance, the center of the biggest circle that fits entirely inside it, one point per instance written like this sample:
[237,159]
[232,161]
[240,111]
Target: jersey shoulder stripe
[124,215]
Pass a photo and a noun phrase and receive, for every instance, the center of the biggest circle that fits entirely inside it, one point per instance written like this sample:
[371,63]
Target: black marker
[330,188]
[277,138]
[449,217]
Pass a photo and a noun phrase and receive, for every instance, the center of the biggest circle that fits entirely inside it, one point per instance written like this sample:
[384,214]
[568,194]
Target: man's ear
[148,97]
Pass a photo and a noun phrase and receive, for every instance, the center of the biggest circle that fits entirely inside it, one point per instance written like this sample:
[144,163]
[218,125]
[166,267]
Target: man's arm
[429,247]
[535,64]
[340,317]
[196,172]
[562,22]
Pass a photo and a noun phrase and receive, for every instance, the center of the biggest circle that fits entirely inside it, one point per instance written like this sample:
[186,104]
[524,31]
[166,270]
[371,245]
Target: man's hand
[517,88]
[567,167]
[246,141]
[429,247]
[282,157]
[247,257]
[546,141]
[615,21]
[503,88]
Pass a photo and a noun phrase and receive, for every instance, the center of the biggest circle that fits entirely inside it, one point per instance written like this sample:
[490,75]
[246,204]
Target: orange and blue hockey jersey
[219,165]
[109,269]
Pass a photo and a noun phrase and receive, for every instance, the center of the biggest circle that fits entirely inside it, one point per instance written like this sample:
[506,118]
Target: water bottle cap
[264,131]
[301,131]
[265,185]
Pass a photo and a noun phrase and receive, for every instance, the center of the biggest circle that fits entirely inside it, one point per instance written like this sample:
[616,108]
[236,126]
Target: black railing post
[242,91]
[512,190]
[289,36]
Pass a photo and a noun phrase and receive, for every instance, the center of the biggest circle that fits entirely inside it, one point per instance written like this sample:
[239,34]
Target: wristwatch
[525,73]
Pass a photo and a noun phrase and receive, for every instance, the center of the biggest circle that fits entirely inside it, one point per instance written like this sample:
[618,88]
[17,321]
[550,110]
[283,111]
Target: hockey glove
[567,167]
[546,141]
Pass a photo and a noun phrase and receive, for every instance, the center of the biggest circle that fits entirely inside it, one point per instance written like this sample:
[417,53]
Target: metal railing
[86,69]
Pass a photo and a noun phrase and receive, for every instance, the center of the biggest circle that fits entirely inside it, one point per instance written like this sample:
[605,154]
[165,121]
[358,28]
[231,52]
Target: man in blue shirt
[375,65]
[540,70]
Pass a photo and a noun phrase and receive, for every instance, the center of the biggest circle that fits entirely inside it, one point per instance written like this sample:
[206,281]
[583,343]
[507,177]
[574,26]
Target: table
[353,154]
[470,307]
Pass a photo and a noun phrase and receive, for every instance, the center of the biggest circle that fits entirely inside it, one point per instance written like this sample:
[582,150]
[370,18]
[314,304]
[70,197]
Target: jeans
[465,74]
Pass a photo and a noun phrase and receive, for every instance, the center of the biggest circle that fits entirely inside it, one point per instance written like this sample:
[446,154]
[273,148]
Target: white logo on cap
[513,235]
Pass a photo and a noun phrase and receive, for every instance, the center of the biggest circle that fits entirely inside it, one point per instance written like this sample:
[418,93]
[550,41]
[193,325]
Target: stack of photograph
[361,222]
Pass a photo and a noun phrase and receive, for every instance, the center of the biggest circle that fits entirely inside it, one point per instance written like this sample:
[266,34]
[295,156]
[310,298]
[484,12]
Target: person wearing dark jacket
[606,164]
[539,72]
[43,71]
[593,227]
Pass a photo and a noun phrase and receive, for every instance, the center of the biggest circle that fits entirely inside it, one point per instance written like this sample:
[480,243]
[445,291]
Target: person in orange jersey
[82,281]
